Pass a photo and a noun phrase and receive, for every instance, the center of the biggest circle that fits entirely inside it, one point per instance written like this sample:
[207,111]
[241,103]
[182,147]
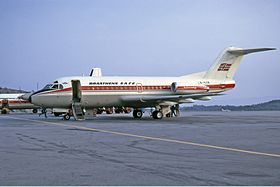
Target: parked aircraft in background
[80,93]
[12,101]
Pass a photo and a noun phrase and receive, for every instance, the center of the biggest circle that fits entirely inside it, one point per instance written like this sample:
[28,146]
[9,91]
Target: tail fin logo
[224,67]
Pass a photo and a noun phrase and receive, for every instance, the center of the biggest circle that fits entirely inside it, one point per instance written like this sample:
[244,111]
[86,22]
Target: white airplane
[12,101]
[80,93]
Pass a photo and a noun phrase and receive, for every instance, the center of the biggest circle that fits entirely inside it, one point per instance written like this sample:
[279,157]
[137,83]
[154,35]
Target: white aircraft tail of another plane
[228,61]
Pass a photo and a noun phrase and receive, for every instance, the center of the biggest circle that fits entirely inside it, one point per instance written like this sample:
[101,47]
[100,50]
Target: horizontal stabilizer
[248,51]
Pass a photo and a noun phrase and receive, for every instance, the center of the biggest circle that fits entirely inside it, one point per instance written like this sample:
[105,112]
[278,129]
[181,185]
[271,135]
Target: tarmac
[198,148]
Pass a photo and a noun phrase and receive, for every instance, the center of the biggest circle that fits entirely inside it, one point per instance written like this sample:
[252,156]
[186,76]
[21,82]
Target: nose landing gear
[66,116]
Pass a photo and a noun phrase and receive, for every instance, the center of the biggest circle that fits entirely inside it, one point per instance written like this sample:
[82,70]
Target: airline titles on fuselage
[112,83]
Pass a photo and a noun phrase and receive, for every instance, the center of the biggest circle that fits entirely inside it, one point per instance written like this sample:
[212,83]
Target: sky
[44,40]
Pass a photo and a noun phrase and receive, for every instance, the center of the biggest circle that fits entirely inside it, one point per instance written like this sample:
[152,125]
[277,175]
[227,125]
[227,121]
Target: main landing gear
[157,114]
[137,113]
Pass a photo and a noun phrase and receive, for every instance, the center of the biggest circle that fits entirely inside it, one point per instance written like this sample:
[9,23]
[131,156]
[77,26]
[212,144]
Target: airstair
[77,107]
[78,111]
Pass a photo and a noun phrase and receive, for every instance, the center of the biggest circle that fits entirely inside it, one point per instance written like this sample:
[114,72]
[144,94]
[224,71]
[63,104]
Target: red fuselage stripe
[148,88]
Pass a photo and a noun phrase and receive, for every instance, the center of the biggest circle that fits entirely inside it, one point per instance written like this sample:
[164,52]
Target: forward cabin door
[76,100]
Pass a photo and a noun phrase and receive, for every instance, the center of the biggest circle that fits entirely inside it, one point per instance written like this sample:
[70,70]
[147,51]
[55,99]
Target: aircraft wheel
[137,113]
[99,111]
[157,114]
[56,114]
[109,110]
[117,112]
[35,111]
[4,111]
[66,117]
[127,110]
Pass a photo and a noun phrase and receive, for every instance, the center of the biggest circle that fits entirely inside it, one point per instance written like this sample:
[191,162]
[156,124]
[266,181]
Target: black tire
[157,114]
[4,111]
[109,110]
[118,110]
[66,117]
[56,114]
[99,112]
[137,113]
[35,111]
[127,110]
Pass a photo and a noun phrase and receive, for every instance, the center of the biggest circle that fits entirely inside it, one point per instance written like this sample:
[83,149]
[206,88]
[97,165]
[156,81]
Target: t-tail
[227,63]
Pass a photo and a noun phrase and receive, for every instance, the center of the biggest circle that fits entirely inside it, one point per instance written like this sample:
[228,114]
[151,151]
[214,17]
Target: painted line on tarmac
[150,138]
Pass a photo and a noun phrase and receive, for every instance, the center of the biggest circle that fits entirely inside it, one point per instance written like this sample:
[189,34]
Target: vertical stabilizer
[228,61]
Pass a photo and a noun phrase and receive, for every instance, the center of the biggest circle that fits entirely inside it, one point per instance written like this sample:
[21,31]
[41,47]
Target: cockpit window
[53,87]
[57,86]
[47,87]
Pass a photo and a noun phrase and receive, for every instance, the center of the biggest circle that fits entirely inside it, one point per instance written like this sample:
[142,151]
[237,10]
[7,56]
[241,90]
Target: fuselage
[163,94]
[115,91]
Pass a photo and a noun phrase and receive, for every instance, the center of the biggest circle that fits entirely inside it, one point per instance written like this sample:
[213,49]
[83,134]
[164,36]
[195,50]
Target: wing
[146,101]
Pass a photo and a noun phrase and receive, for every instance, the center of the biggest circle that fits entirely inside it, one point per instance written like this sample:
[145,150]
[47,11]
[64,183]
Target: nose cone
[38,100]
[34,99]
[26,97]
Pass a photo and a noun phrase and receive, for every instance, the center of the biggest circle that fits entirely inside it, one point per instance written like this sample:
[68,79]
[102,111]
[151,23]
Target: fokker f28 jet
[80,93]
